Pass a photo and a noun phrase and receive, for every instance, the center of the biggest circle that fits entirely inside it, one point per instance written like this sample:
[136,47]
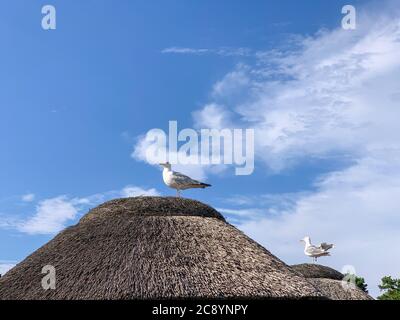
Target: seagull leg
[178,193]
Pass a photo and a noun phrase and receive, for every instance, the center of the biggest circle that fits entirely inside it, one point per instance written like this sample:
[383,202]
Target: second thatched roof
[330,282]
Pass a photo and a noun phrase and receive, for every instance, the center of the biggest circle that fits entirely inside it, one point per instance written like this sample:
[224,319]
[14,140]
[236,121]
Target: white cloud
[29,197]
[222,51]
[50,216]
[145,144]
[212,116]
[7,222]
[270,200]
[183,50]
[132,191]
[335,96]
[246,213]
[54,214]
[357,209]
[5,266]
[234,85]
[237,216]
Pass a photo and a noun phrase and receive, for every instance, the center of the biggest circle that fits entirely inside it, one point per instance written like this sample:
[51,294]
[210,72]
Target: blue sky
[76,102]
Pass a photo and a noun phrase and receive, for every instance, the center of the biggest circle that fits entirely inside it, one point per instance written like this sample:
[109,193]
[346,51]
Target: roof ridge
[152,206]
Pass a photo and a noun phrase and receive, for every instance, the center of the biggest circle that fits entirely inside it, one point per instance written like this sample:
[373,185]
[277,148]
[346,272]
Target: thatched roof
[154,247]
[329,282]
[336,290]
[311,270]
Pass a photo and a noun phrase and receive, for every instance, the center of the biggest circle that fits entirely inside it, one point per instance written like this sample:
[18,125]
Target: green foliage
[391,288]
[359,281]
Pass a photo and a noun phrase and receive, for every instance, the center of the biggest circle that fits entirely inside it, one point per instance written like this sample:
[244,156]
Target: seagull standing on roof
[315,252]
[179,181]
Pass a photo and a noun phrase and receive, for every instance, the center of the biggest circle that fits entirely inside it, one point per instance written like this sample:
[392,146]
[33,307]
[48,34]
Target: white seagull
[179,181]
[315,252]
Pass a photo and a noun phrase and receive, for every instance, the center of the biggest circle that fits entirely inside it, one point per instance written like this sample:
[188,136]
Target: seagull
[179,181]
[314,251]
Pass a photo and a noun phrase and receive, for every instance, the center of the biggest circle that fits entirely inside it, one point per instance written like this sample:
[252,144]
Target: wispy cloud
[260,206]
[146,144]
[332,96]
[5,266]
[237,216]
[185,50]
[281,24]
[54,214]
[222,51]
[275,203]
[133,191]
[51,216]
[29,197]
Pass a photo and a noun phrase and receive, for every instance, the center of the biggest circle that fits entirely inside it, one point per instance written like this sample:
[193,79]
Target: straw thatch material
[335,290]
[311,270]
[153,247]
[329,282]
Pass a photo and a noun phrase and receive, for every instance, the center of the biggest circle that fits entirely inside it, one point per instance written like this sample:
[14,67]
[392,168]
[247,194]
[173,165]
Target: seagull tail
[200,185]
[205,185]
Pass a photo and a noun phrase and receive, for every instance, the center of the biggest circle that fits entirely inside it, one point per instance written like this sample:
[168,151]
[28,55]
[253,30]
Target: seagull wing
[313,250]
[183,180]
[326,246]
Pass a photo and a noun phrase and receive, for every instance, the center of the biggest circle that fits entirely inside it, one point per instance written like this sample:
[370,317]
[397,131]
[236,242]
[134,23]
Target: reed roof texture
[154,247]
[336,290]
[312,270]
[329,282]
